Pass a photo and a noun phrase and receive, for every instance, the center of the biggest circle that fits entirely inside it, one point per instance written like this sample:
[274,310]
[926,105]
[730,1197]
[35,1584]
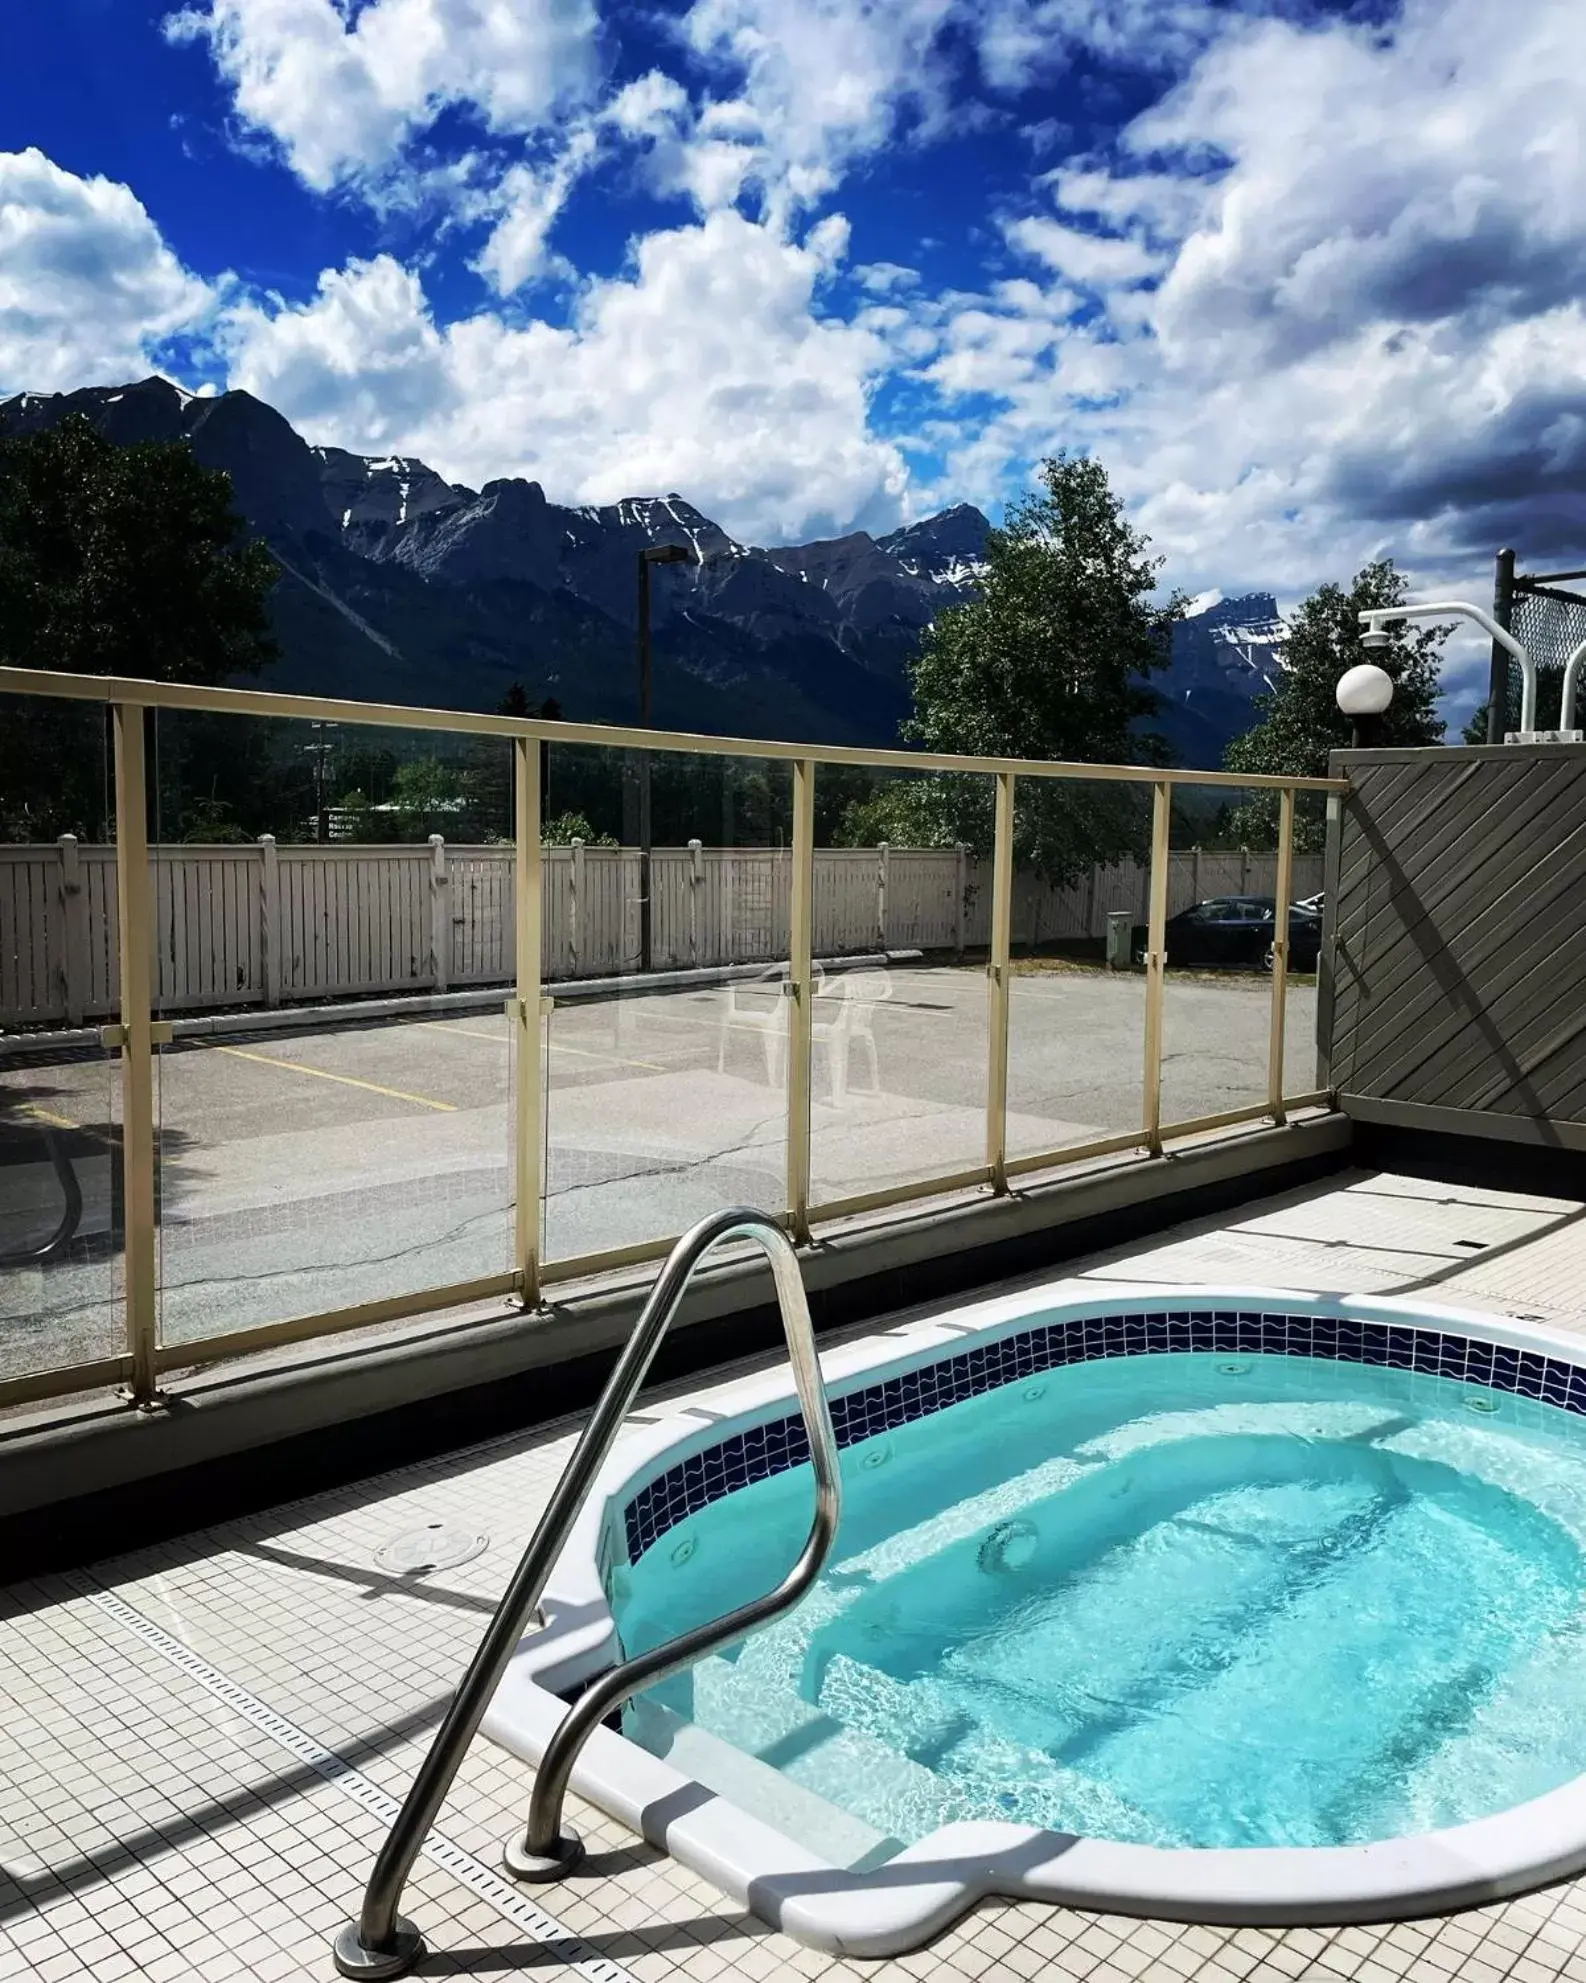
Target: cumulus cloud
[1100,260]
[343,91]
[1022,41]
[1367,333]
[710,366]
[528,199]
[816,86]
[88,287]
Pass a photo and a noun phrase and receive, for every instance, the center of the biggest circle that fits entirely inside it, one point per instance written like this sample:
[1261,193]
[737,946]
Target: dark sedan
[1237,931]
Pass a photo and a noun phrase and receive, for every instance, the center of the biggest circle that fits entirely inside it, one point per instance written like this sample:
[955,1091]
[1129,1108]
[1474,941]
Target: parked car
[1237,931]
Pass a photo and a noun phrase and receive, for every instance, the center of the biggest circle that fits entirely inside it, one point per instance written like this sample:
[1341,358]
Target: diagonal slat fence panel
[1457,962]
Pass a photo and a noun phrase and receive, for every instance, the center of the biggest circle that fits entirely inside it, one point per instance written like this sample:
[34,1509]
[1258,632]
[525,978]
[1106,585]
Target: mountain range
[400,586]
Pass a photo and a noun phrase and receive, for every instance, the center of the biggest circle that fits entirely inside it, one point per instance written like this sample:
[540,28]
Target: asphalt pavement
[307,1171]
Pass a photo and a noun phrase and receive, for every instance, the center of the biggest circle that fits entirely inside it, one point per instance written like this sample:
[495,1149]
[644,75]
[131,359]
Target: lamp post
[320,751]
[1364,693]
[1375,621]
[652,554]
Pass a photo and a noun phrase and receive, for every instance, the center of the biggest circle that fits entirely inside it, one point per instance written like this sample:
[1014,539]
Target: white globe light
[1364,691]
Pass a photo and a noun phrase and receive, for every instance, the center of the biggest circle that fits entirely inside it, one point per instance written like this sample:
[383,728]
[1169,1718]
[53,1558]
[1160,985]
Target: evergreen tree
[1299,722]
[1050,661]
[118,561]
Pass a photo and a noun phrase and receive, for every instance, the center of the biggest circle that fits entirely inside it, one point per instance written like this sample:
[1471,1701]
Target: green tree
[1050,661]
[570,826]
[122,561]
[1299,722]
[432,796]
[1549,702]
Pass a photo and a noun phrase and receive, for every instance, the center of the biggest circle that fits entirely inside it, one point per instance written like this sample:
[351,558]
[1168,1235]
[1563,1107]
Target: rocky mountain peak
[401,585]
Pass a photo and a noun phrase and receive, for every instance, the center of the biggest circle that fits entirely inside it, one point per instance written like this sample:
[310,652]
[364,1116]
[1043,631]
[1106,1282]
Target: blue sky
[1307,276]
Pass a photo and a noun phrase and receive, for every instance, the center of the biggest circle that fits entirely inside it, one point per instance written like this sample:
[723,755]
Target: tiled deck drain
[558,1943]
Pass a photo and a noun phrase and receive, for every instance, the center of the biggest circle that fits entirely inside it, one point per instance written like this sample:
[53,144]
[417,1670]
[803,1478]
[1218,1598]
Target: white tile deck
[181,1771]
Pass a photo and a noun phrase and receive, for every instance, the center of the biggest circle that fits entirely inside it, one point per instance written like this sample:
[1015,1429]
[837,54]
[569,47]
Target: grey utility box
[1120,930]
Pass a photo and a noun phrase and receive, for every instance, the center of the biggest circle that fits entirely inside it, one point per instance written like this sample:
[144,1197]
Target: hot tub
[1214,1604]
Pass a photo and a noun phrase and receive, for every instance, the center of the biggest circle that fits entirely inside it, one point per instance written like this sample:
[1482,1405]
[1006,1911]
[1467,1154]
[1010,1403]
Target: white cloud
[818,85]
[1369,334]
[1101,260]
[360,365]
[886,278]
[1162,203]
[654,105]
[708,368]
[529,199]
[1022,41]
[88,287]
[342,93]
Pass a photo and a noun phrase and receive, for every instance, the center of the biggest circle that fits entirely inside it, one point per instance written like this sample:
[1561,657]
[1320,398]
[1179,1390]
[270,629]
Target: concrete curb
[417,1005]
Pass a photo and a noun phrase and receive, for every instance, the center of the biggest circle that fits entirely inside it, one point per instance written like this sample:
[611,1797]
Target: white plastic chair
[759,1005]
[854,1025]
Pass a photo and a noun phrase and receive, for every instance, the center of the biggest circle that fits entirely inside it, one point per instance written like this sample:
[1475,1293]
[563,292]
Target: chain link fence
[1549,621]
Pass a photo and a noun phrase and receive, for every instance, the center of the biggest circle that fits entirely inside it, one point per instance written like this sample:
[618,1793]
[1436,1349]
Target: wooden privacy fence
[262,924]
[1452,995]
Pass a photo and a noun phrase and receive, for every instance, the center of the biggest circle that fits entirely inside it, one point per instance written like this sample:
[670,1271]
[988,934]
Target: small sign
[1546,737]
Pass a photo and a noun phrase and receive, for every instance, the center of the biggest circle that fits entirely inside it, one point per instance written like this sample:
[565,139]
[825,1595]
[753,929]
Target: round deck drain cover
[434,1547]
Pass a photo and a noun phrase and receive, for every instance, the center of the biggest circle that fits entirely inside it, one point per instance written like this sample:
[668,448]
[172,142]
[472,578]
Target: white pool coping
[912,1897]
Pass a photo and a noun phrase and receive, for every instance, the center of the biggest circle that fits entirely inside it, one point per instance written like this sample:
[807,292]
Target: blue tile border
[763,1450]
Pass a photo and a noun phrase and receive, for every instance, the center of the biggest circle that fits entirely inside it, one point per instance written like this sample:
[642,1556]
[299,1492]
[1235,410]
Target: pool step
[869,1777]
[932,1723]
[789,1806]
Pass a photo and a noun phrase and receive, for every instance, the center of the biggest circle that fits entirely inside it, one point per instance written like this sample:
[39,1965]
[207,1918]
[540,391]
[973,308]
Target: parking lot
[308,1170]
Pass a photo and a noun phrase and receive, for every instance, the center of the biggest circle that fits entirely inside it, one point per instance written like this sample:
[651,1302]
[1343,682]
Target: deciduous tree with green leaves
[1299,722]
[1050,661]
[115,561]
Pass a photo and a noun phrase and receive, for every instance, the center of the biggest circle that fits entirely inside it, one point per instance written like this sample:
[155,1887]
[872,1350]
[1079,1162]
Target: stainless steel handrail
[381,1942]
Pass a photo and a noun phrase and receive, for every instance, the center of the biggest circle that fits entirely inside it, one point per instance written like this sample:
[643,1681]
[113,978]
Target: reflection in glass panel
[666,952]
[1305,936]
[1217,1008]
[60,1187]
[1076,1008]
[312,1156]
[898,1077]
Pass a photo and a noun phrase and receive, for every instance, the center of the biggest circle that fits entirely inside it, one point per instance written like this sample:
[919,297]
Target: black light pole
[320,750]
[1498,674]
[652,554]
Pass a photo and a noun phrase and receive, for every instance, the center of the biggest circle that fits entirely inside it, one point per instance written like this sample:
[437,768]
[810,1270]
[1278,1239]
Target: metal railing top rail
[131,691]
[381,1943]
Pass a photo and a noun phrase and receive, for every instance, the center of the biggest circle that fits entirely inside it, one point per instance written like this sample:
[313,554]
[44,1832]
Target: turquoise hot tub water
[1177,1600]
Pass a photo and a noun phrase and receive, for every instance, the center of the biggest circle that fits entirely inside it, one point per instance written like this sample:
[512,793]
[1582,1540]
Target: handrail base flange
[523,1864]
[353,1959]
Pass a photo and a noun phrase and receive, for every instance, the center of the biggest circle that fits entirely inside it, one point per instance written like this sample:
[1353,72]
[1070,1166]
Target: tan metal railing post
[1280,950]
[525,1018]
[1156,963]
[801,991]
[135,930]
[998,986]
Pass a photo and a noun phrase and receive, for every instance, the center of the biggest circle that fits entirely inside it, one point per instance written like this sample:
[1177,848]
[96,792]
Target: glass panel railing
[1217,1003]
[1305,936]
[60,1183]
[1076,1007]
[667,890]
[328,1136]
[898,1075]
